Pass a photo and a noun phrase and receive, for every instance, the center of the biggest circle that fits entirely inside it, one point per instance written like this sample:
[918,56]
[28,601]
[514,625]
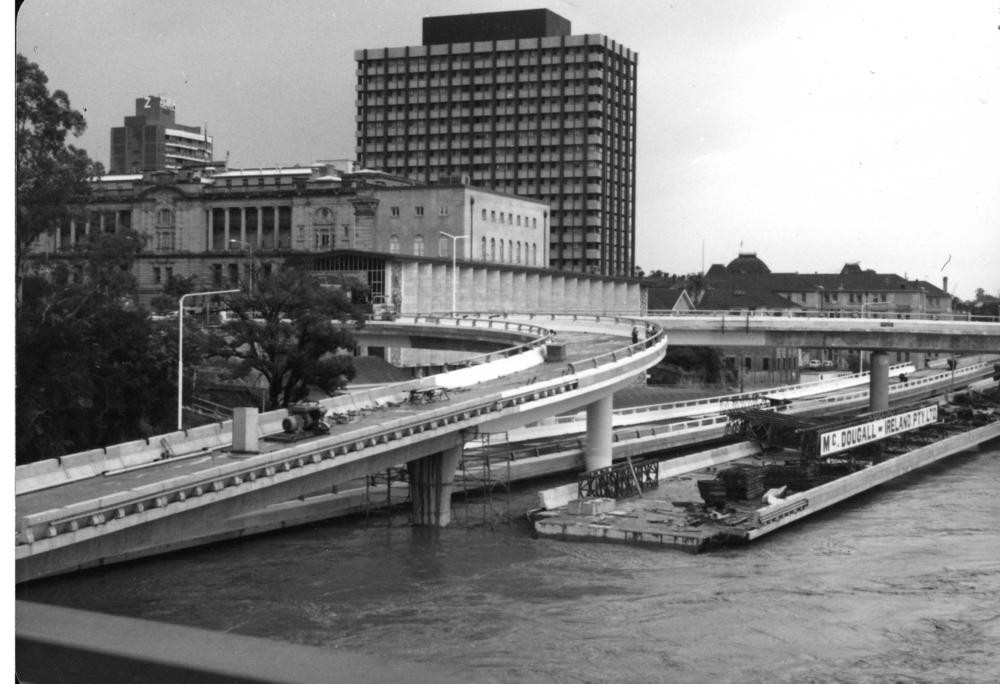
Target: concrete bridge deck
[109,515]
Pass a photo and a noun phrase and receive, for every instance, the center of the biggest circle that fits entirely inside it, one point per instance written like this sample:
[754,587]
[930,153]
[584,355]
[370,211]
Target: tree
[175,288]
[91,368]
[50,174]
[285,332]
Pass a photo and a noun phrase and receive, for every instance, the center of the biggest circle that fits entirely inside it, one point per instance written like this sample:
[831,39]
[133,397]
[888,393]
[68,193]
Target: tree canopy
[285,331]
[91,369]
[50,174]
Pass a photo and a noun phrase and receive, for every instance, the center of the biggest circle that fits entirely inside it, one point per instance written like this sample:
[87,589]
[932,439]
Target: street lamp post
[180,351]
[249,246]
[454,269]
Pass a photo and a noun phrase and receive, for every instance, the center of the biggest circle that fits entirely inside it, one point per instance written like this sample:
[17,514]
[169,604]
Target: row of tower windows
[501,58]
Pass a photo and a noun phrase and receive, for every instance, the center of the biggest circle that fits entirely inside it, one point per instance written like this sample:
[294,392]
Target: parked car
[815,364]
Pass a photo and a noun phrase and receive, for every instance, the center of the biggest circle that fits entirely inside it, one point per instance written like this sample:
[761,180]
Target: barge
[785,469]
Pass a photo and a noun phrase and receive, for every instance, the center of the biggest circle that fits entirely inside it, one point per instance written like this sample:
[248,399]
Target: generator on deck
[306,416]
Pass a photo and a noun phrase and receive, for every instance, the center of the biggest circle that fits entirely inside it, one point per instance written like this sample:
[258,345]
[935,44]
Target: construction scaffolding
[385,490]
[484,477]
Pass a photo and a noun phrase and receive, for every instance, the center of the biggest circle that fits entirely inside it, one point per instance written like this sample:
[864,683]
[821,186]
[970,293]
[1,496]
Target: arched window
[418,245]
[510,250]
[518,252]
[534,254]
[443,245]
[482,252]
[501,251]
[394,244]
[493,249]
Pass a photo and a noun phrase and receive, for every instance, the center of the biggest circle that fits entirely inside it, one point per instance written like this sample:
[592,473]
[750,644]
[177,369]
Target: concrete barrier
[38,475]
[128,454]
[84,464]
[206,437]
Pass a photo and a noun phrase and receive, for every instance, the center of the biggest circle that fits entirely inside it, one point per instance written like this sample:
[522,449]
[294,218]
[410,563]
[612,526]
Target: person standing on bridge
[635,334]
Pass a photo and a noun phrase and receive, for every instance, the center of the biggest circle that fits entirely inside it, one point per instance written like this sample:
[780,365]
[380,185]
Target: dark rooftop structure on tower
[511,25]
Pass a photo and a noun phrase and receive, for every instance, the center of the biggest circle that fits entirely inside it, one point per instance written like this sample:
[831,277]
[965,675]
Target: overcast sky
[812,133]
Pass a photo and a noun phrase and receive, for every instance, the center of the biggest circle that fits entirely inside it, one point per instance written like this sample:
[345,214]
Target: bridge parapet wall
[206,438]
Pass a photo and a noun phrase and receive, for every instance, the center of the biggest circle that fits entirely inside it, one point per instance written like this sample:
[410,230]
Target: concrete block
[557,497]
[590,506]
[245,430]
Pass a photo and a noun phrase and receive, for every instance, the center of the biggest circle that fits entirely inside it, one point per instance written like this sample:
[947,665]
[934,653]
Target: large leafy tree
[50,174]
[294,332]
[91,368]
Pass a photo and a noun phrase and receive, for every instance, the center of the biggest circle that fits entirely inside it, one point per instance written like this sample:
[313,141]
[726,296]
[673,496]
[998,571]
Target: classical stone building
[215,227]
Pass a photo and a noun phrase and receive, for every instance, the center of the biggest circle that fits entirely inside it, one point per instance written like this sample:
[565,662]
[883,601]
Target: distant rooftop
[484,26]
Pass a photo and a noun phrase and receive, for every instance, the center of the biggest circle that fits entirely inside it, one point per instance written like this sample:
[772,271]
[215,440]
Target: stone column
[598,451]
[431,483]
[878,387]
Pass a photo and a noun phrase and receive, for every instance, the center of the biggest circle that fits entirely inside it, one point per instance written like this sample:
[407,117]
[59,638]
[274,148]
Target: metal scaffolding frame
[485,472]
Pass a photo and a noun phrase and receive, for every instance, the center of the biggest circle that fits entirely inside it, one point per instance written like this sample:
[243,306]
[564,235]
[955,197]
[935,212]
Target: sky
[813,133]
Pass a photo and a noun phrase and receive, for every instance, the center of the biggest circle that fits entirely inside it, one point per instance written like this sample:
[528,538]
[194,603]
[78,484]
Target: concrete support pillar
[506,301]
[431,483]
[243,226]
[598,452]
[466,288]
[878,387]
[245,430]
[442,287]
[225,229]
[571,295]
[545,293]
[533,294]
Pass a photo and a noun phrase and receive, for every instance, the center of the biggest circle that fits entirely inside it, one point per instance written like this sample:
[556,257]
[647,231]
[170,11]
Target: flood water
[901,584]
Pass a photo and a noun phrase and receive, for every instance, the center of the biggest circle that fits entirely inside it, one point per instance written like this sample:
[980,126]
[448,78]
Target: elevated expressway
[192,487]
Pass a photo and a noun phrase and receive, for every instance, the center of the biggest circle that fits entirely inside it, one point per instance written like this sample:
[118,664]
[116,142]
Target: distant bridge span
[722,329]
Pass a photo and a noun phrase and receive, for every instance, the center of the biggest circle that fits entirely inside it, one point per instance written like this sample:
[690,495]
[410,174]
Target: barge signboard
[874,430]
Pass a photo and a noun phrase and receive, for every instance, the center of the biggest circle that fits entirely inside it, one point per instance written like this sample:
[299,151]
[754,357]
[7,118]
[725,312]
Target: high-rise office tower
[152,141]
[513,102]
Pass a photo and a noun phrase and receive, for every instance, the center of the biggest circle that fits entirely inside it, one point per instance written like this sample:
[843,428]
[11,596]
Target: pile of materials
[797,477]
[739,483]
